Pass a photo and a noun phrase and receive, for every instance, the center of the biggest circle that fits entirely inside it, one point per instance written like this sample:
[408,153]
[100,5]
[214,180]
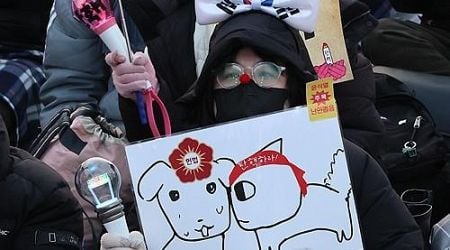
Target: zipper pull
[409,148]
[417,121]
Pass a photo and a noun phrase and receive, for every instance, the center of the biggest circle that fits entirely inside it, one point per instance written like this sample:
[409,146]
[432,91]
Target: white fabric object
[135,241]
[299,14]
[202,35]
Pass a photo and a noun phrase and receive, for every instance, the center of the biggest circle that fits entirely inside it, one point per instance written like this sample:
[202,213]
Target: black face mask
[247,100]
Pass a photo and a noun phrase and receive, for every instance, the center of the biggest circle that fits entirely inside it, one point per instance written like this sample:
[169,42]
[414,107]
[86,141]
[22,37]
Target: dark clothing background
[406,45]
[411,46]
[171,49]
[384,220]
[435,12]
[34,201]
[23,23]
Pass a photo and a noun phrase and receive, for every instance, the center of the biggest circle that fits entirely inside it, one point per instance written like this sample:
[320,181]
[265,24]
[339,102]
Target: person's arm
[74,63]
[384,220]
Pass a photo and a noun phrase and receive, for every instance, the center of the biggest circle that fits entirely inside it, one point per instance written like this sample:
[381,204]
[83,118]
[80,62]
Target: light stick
[98,181]
[98,16]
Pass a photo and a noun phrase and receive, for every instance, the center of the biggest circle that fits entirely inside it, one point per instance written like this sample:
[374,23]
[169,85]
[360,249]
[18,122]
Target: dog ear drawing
[153,179]
[223,169]
[276,145]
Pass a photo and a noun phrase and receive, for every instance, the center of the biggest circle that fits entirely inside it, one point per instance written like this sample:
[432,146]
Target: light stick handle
[115,41]
[118,227]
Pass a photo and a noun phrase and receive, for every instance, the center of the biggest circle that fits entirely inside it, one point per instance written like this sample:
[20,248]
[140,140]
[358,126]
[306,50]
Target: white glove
[131,77]
[135,241]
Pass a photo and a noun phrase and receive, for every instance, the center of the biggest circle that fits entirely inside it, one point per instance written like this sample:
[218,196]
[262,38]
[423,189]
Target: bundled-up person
[37,208]
[22,34]
[258,64]
[173,60]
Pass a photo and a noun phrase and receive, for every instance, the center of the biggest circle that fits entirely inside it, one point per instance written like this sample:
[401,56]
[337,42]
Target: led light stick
[98,182]
[98,16]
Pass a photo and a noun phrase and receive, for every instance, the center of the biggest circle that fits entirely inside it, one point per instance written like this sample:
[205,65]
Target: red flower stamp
[191,160]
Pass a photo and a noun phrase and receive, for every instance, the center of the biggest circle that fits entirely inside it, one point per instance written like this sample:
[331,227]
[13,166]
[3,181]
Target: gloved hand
[131,77]
[116,242]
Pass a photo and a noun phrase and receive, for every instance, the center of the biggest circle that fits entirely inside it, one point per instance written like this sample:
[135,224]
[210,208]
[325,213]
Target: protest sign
[277,181]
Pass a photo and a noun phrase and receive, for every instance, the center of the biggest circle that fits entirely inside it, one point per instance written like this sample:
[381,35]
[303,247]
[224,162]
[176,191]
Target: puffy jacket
[75,66]
[37,208]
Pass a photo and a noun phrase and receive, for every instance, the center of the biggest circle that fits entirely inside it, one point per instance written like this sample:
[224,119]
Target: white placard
[277,181]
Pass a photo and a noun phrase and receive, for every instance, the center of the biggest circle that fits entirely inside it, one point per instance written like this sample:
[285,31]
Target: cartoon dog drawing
[192,195]
[271,197]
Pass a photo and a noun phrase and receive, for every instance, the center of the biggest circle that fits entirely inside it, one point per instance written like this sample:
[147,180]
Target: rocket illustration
[327,53]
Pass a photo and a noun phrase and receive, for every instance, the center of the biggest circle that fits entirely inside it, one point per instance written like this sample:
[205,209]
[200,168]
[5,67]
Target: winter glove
[135,241]
[131,77]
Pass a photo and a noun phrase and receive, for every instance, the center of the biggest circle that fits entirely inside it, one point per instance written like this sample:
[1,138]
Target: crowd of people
[50,61]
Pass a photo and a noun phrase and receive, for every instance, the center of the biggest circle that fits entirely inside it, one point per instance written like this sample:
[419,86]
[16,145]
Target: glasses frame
[279,68]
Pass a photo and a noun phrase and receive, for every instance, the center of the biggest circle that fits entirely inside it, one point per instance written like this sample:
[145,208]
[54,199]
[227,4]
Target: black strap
[71,141]
[57,238]
[54,126]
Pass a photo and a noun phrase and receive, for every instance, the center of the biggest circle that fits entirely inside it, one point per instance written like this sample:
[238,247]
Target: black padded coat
[37,208]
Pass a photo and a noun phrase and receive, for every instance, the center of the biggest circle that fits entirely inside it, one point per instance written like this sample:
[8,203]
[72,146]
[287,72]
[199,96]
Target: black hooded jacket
[37,208]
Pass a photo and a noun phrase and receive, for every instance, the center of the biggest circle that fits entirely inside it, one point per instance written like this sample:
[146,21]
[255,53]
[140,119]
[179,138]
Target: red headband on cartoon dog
[264,158]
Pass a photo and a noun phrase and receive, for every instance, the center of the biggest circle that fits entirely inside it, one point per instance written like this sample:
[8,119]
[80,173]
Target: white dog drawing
[267,184]
[197,210]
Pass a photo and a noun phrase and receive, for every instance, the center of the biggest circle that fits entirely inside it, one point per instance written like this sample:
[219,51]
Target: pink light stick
[98,16]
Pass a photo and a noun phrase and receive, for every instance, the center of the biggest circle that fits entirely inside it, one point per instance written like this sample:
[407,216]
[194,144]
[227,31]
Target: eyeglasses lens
[266,74]
[228,77]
